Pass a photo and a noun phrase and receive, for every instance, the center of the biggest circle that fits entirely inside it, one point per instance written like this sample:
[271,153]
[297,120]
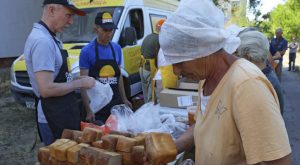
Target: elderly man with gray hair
[238,118]
[255,48]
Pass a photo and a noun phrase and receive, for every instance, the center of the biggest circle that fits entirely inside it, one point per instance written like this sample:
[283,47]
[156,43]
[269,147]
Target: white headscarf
[195,30]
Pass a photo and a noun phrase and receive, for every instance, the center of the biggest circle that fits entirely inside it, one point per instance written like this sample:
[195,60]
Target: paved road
[291,88]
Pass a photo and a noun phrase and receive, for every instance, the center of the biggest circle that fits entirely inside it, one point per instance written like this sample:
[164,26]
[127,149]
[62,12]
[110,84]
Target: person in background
[46,64]
[292,55]
[154,79]
[278,47]
[255,48]
[238,118]
[149,50]
[102,59]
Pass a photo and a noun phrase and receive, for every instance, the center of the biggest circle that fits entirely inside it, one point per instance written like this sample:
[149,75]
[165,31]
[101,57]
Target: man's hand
[87,82]
[90,116]
[276,56]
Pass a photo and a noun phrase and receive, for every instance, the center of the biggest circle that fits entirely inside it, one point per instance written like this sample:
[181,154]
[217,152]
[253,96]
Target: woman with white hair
[255,48]
[238,119]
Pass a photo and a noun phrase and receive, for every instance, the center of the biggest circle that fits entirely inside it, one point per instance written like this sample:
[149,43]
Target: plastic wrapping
[99,96]
[146,119]
[188,162]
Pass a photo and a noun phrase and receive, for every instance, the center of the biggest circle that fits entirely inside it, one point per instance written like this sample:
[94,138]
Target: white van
[135,20]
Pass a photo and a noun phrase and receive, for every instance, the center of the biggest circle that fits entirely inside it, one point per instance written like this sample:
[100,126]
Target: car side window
[134,19]
[154,18]
[137,21]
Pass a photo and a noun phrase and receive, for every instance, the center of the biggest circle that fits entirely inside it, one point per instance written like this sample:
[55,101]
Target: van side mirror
[130,36]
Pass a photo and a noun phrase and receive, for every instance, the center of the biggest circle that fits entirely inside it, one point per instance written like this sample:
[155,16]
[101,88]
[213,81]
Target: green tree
[286,16]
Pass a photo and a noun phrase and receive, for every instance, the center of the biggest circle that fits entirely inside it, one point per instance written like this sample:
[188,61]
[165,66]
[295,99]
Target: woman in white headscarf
[238,119]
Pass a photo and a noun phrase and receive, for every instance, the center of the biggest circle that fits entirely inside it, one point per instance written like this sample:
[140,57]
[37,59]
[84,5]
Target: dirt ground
[18,135]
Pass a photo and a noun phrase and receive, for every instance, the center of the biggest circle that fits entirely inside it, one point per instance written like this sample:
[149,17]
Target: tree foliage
[284,16]
[254,8]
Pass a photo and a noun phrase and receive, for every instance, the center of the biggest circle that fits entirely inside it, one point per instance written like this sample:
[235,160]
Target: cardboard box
[177,98]
[188,85]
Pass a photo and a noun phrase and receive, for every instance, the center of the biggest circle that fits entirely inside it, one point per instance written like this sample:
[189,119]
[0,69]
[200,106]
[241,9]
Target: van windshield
[82,28]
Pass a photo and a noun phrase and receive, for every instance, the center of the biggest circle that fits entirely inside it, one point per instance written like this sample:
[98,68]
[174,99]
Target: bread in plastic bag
[146,119]
[99,95]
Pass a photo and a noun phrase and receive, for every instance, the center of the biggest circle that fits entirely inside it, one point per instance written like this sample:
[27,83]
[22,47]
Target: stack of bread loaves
[92,147]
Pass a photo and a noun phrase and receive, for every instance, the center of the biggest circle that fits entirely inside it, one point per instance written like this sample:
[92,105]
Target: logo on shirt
[107,75]
[69,76]
[220,109]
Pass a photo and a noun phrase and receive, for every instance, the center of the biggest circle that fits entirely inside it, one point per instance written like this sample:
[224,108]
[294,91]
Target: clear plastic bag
[123,114]
[188,162]
[99,96]
[146,119]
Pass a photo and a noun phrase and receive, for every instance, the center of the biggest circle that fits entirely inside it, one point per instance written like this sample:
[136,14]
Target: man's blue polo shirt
[88,56]
[278,45]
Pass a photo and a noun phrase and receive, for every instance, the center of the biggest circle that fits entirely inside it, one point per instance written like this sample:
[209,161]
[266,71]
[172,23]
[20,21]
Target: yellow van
[135,20]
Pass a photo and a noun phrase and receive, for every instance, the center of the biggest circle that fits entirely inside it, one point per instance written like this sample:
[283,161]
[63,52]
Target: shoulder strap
[113,51]
[51,33]
[96,50]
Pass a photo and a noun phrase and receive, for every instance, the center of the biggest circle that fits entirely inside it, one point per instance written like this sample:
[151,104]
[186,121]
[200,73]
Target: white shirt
[204,101]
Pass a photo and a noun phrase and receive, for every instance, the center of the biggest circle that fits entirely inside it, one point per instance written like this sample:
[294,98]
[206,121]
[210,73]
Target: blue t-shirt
[278,45]
[88,56]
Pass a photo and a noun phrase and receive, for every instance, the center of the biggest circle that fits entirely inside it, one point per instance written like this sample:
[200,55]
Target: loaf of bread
[140,139]
[127,134]
[109,142]
[108,158]
[125,144]
[79,139]
[91,134]
[76,135]
[70,163]
[53,161]
[67,134]
[71,134]
[57,143]
[160,148]
[43,155]
[87,155]
[137,154]
[126,158]
[98,144]
[73,152]
[61,151]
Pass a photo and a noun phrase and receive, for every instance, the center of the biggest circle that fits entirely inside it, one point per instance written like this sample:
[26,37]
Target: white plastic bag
[124,115]
[146,119]
[100,95]
[140,121]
